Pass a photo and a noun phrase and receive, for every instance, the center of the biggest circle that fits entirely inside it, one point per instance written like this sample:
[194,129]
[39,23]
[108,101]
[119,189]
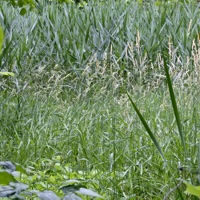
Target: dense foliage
[11,176]
[71,79]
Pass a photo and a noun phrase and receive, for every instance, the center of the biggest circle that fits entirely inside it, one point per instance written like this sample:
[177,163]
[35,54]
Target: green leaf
[1,38]
[7,191]
[70,188]
[21,169]
[8,166]
[173,99]
[47,195]
[23,11]
[89,192]
[7,74]
[191,189]
[72,181]
[71,196]
[6,178]
[147,128]
[19,186]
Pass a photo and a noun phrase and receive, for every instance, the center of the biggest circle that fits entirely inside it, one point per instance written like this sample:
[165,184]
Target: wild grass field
[66,114]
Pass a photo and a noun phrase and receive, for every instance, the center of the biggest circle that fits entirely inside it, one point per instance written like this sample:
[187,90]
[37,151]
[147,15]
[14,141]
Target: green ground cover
[66,111]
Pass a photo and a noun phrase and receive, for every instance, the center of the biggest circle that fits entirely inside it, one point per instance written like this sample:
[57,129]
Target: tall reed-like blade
[1,38]
[173,99]
[147,127]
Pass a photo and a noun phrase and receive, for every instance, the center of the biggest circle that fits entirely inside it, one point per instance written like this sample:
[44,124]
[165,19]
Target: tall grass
[73,68]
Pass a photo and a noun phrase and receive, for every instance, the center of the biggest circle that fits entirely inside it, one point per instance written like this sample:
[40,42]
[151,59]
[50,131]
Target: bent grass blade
[147,128]
[173,100]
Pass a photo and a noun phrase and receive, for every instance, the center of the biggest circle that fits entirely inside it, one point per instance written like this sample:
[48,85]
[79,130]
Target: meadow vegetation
[67,113]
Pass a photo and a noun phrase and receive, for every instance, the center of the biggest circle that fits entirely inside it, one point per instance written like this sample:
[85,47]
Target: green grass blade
[147,128]
[173,99]
[1,38]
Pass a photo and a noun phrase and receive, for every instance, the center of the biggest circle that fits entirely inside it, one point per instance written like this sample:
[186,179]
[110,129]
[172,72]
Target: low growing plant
[12,175]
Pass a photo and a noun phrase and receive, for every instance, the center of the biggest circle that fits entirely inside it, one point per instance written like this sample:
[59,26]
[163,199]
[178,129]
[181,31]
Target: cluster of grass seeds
[68,97]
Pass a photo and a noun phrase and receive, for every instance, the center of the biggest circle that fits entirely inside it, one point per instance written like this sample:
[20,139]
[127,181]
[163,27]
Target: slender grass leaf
[147,128]
[173,99]
[1,38]
[7,74]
